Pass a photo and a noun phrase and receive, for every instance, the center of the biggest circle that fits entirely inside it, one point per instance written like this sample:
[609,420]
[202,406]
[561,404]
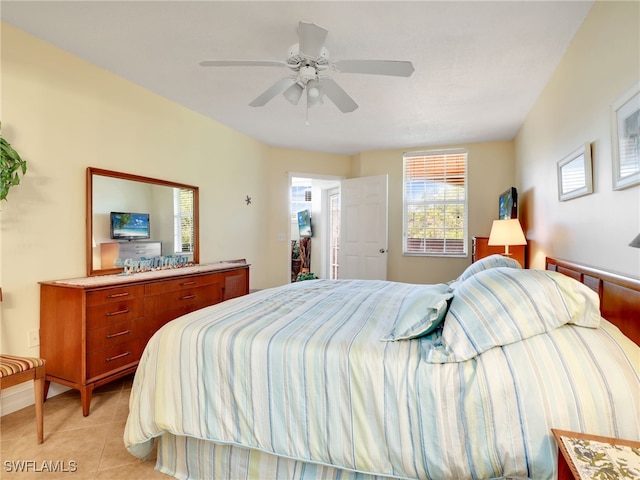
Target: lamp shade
[635,242]
[507,232]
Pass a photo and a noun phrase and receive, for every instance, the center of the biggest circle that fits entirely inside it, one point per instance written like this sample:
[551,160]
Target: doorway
[319,195]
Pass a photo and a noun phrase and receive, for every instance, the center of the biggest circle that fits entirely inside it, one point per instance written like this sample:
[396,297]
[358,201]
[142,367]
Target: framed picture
[575,174]
[625,139]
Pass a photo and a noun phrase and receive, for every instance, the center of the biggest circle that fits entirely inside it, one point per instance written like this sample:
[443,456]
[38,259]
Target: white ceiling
[479,66]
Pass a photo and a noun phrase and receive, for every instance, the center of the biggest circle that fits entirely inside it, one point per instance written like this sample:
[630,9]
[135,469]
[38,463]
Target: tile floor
[94,443]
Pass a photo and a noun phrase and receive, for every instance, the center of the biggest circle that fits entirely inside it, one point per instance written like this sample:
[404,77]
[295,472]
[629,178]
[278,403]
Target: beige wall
[63,115]
[602,62]
[491,172]
[282,162]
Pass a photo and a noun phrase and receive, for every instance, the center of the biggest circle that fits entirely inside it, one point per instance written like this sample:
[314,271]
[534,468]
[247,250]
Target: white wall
[602,62]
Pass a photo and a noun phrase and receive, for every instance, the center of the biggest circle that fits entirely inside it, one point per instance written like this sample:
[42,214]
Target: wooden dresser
[93,329]
[480,248]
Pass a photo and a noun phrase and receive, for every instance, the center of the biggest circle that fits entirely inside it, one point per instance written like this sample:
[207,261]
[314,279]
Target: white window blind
[183,220]
[300,197]
[435,203]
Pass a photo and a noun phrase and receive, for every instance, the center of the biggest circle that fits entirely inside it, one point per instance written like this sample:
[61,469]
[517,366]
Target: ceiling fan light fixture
[309,60]
[293,93]
[315,92]
[314,102]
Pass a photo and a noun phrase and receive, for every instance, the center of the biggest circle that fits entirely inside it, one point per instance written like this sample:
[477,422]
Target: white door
[363,228]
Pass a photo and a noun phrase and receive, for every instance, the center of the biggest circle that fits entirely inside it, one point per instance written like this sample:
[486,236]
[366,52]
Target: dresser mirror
[169,210]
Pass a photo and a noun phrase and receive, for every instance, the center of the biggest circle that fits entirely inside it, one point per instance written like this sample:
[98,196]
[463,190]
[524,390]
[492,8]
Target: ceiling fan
[309,62]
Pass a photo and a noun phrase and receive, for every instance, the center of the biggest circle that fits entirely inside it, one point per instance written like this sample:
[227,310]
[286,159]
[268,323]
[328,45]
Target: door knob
[382,250]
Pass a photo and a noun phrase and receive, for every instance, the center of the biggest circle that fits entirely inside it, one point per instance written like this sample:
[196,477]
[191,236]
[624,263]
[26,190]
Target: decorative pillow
[421,312]
[492,261]
[504,305]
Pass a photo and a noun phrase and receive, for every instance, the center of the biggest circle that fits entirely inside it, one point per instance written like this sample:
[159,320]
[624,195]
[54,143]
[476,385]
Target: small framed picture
[625,139]
[575,174]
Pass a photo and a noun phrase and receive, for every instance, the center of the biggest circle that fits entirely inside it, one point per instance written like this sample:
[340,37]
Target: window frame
[405,205]
[178,215]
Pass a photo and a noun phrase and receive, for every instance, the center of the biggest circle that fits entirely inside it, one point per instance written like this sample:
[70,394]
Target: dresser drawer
[116,294]
[158,288]
[114,357]
[162,316]
[180,299]
[137,250]
[115,334]
[110,313]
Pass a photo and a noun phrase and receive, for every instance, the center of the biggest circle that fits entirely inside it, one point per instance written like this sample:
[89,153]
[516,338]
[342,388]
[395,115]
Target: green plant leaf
[10,165]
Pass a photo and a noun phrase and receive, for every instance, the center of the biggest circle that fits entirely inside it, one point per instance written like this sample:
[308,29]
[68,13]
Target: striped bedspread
[300,371]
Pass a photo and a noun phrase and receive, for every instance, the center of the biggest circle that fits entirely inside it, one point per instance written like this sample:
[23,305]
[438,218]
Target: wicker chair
[15,370]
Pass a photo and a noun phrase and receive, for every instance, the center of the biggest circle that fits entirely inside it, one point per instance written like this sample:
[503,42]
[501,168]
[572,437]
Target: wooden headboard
[619,294]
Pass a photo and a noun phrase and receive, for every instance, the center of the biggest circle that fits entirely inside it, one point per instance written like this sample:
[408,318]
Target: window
[300,197]
[435,203]
[183,220]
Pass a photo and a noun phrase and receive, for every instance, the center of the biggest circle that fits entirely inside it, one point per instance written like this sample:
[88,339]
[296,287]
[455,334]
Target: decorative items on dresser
[480,248]
[93,329]
[112,251]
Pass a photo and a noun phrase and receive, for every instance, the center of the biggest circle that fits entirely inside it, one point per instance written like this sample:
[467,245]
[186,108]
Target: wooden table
[601,450]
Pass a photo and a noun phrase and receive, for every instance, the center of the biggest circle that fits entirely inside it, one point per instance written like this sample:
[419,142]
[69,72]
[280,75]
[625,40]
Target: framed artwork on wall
[575,174]
[625,139]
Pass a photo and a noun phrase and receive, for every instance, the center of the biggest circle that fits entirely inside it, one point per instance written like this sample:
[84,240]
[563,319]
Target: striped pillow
[504,305]
[492,261]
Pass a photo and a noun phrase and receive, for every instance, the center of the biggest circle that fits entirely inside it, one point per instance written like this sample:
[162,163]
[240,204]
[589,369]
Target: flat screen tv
[304,223]
[508,204]
[129,226]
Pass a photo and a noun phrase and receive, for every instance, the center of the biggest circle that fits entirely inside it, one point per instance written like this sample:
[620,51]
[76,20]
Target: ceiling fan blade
[338,96]
[375,67]
[242,63]
[272,91]
[311,38]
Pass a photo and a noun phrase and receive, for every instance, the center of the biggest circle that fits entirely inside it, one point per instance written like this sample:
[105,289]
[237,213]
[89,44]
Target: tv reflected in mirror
[129,226]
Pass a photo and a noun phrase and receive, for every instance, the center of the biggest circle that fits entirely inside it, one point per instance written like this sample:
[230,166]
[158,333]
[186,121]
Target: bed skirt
[193,458]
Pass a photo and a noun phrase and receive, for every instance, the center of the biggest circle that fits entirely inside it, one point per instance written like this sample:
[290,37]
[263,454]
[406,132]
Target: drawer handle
[124,332]
[186,284]
[115,357]
[119,312]
[188,297]
[116,295]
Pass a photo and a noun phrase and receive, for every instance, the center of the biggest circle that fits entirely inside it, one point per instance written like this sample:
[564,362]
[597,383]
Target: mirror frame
[91,171]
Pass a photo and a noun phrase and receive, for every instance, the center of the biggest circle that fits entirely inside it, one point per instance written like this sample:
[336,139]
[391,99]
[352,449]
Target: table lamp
[506,232]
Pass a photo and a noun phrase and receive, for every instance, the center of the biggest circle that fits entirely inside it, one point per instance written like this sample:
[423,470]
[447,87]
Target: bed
[371,379]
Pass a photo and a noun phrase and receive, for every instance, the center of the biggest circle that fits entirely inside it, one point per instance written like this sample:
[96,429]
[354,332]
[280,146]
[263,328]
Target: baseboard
[16,398]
